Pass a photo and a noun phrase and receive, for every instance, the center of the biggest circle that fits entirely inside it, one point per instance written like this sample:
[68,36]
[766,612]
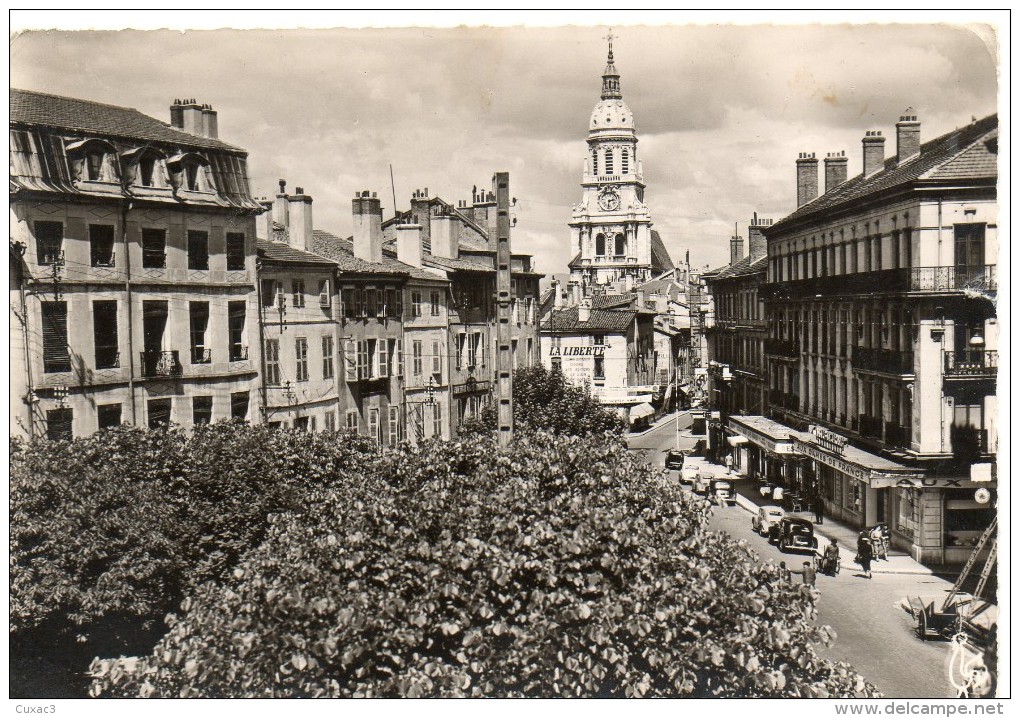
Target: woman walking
[865,554]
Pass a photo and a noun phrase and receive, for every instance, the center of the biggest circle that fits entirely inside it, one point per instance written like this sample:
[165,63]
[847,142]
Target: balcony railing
[161,363]
[949,279]
[888,361]
[896,435]
[104,259]
[201,355]
[783,400]
[968,441]
[782,348]
[869,426]
[980,363]
[238,352]
[107,358]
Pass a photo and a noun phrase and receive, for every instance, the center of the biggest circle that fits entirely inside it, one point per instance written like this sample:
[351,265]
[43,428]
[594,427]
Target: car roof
[797,520]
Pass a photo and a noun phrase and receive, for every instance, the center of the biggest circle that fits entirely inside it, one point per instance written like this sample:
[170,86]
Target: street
[874,634]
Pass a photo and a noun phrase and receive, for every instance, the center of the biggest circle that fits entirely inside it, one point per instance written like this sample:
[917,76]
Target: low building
[133,268]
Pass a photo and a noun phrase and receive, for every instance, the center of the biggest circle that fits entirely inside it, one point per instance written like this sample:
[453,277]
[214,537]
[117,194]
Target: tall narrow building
[611,228]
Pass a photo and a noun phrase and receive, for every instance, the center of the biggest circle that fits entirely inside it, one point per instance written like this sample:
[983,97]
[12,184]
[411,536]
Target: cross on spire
[610,37]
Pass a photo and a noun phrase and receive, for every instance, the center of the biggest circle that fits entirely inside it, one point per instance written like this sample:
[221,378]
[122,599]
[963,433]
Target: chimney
[908,136]
[409,244]
[628,283]
[575,294]
[299,210]
[177,114]
[757,244]
[367,227]
[444,235]
[807,178]
[264,221]
[557,294]
[584,310]
[835,169]
[874,152]
[484,211]
[191,114]
[280,207]
[210,126]
[736,246]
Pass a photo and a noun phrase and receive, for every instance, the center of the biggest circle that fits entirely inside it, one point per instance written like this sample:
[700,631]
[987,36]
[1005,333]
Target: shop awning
[736,440]
[641,411]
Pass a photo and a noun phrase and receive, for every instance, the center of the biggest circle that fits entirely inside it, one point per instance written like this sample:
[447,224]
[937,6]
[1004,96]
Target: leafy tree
[560,566]
[545,401]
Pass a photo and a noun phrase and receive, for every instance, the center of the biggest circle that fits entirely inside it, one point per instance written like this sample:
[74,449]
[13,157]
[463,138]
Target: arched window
[621,246]
[609,162]
[600,245]
[625,162]
[594,162]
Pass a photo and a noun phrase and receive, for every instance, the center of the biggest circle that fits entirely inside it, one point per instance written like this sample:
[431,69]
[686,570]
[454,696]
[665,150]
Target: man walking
[808,572]
[818,504]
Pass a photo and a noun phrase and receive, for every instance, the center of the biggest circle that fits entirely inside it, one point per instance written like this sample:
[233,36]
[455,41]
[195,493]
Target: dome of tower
[612,114]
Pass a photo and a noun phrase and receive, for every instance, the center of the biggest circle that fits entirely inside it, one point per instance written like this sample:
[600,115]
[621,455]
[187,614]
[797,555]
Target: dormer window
[189,171]
[144,167]
[145,170]
[93,160]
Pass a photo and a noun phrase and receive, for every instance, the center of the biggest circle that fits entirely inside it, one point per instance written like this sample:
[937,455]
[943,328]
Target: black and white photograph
[505,354]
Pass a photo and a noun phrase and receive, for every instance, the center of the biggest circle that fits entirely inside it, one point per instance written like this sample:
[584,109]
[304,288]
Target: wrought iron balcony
[972,363]
[912,279]
[238,352]
[201,355]
[951,279]
[896,435]
[161,363]
[968,441]
[782,348]
[869,426]
[782,400]
[888,361]
[108,260]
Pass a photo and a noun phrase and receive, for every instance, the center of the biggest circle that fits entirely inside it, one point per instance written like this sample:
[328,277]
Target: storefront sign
[842,465]
[596,351]
[471,386]
[926,482]
[829,440]
[762,440]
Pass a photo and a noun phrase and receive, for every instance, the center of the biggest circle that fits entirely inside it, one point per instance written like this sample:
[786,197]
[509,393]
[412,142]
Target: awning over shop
[876,471]
[736,440]
[641,411]
[764,432]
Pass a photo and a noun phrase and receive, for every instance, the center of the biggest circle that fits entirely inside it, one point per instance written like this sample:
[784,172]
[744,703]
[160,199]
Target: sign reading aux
[595,351]
[829,439]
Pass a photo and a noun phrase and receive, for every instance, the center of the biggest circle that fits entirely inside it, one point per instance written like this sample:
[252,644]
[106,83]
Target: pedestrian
[865,553]
[784,573]
[777,495]
[808,573]
[818,504]
[729,464]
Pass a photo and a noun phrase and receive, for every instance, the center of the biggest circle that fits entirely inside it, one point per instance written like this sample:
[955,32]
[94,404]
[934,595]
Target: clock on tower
[609,199]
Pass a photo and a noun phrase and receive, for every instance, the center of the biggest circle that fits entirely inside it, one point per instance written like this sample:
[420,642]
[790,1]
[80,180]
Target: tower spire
[610,78]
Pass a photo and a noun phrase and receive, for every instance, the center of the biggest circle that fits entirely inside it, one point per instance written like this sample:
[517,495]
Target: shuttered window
[394,426]
[273,362]
[59,424]
[351,361]
[104,325]
[352,420]
[301,353]
[56,356]
[201,353]
[383,359]
[437,361]
[153,248]
[347,297]
[363,360]
[327,356]
[416,363]
[235,251]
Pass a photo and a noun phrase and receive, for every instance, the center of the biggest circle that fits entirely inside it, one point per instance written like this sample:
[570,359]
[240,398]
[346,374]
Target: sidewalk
[664,419]
[749,498]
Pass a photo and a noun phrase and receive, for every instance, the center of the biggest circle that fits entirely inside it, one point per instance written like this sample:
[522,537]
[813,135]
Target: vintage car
[767,516]
[794,534]
[700,482]
[675,459]
[722,490]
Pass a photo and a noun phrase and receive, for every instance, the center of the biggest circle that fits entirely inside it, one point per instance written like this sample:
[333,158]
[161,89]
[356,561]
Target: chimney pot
[807,178]
[873,146]
[367,228]
[299,218]
[283,186]
[908,136]
[299,190]
[835,170]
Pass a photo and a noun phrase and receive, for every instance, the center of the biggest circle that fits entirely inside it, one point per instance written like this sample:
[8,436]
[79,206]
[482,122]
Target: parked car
[701,482]
[675,460]
[794,534]
[767,516]
[722,490]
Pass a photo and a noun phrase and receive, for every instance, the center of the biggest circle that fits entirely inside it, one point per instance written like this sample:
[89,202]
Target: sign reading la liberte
[595,351]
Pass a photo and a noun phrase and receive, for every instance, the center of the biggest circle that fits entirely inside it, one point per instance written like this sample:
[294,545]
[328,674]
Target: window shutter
[437,364]
[399,351]
[400,303]
[383,358]
[54,330]
[351,361]
[363,372]
[324,298]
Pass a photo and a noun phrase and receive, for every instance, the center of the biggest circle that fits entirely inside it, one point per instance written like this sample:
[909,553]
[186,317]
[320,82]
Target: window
[301,423]
[49,242]
[347,299]
[270,288]
[380,303]
[101,245]
[352,420]
[146,167]
[625,162]
[400,303]
[435,301]
[600,367]
[56,356]
[104,329]
[399,352]
[301,353]
[94,165]
[416,350]
[373,423]
[472,351]
[391,303]
[530,356]
[201,410]
[325,299]
[970,252]
[109,415]
[200,351]
[370,302]
[191,175]
[235,331]
[600,245]
[594,162]
[394,426]
[415,304]
[513,353]
[327,356]
[59,424]
[382,358]
[598,340]
[273,362]
[298,288]
[351,360]
[364,368]
[159,412]
[198,250]
[154,248]
[329,421]
[239,405]
[609,162]
[437,421]
[235,251]
[461,341]
[437,361]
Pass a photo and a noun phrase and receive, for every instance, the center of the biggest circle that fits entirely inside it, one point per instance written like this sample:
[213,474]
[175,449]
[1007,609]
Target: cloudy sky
[721,110]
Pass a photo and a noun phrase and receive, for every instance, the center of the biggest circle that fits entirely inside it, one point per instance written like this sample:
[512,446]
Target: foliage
[560,566]
[122,523]
[545,401]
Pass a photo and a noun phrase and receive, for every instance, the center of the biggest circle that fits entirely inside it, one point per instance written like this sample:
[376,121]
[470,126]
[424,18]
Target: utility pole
[504,357]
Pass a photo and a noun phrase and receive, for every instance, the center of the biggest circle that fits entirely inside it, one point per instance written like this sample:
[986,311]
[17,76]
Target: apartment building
[132,265]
